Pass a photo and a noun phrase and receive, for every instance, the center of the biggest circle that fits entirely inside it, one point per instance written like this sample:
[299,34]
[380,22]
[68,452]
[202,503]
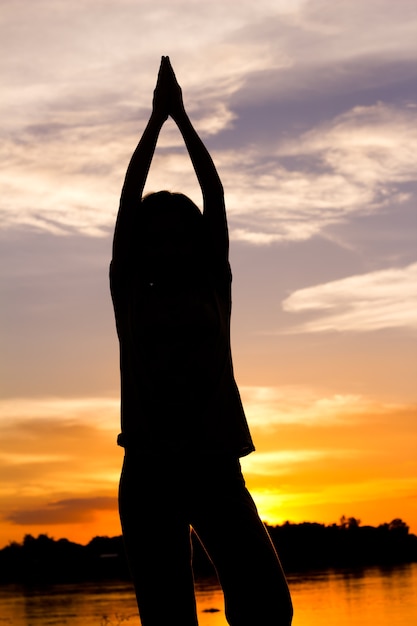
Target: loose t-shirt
[178,391]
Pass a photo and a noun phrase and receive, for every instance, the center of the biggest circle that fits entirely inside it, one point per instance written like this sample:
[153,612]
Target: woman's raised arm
[210,183]
[139,165]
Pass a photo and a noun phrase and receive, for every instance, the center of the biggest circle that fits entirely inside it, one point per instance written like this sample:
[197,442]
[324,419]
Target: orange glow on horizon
[316,460]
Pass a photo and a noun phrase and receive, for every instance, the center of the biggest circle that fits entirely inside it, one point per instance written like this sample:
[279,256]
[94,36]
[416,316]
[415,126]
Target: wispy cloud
[19,414]
[270,406]
[48,445]
[274,407]
[70,511]
[367,145]
[66,145]
[59,465]
[363,303]
[279,463]
[356,164]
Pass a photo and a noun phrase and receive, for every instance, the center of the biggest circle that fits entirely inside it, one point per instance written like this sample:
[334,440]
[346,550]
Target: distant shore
[300,546]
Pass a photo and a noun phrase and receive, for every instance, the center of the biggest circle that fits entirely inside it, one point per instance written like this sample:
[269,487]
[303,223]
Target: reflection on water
[381,596]
[364,597]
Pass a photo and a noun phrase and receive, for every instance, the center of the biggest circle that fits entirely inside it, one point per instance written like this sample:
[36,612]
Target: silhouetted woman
[183,425]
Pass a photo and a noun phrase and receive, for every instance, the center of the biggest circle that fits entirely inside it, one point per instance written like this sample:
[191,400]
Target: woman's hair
[155,206]
[170,231]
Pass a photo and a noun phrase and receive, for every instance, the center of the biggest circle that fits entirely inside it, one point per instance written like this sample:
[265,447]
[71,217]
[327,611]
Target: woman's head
[171,230]
[166,209]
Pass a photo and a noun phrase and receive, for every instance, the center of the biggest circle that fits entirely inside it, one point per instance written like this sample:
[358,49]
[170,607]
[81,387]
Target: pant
[159,499]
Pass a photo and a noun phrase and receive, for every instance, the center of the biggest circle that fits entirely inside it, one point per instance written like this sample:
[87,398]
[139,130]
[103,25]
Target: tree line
[301,547]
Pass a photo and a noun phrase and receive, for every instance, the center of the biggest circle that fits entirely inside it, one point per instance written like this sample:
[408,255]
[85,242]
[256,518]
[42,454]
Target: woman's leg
[157,541]
[227,522]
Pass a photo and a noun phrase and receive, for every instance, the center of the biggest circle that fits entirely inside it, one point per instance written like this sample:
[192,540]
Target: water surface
[363,597]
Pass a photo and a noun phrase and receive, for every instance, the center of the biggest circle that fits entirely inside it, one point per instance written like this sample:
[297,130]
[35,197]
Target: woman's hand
[175,101]
[160,105]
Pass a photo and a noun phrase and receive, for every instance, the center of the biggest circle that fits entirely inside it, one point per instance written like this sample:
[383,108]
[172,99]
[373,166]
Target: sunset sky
[309,108]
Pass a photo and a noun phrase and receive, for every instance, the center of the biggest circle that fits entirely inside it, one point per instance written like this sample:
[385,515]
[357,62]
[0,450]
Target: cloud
[20,415]
[363,303]
[59,462]
[51,445]
[319,31]
[277,463]
[67,144]
[335,52]
[376,27]
[271,407]
[70,511]
[368,145]
[356,164]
